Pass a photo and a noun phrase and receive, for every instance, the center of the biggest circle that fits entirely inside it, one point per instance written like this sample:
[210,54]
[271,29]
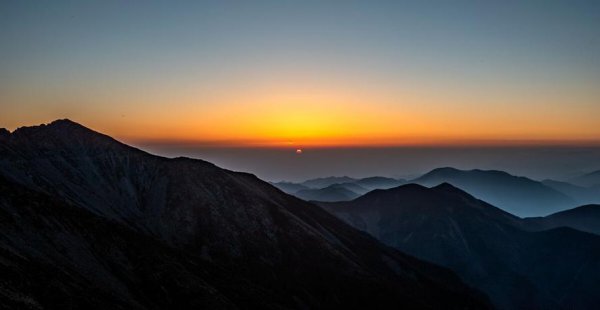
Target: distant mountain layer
[591,179]
[583,195]
[379,182]
[488,247]
[518,195]
[324,182]
[289,187]
[585,218]
[90,223]
[336,188]
[330,193]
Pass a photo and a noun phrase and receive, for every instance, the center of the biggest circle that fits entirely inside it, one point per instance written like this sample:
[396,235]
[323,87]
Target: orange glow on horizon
[319,114]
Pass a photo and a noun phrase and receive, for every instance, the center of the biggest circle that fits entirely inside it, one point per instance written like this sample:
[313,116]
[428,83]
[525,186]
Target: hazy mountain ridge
[518,195]
[582,195]
[327,181]
[490,248]
[233,239]
[335,192]
[289,187]
[336,188]
[591,179]
[584,218]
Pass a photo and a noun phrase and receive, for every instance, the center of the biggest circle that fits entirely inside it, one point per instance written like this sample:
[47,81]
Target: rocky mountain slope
[88,222]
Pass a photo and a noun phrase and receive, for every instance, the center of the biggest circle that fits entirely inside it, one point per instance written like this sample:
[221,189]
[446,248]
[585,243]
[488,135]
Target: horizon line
[442,143]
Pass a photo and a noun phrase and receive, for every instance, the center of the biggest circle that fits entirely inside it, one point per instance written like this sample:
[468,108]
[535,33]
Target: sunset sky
[306,73]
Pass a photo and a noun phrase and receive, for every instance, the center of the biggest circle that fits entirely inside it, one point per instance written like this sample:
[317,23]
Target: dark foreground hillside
[88,222]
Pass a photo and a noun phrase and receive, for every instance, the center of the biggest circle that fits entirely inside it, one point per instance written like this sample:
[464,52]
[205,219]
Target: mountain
[591,179]
[582,195]
[328,181]
[518,195]
[369,183]
[353,187]
[336,188]
[335,192]
[372,183]
[359,186]
[289,187]
[486,246]
[89,222]
[585,218]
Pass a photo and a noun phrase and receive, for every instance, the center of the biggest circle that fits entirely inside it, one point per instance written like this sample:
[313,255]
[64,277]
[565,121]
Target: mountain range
[517,195]
[336,188]
[585,218]
[335,192]
[591,179]
[581,194]
[89,222]
[515,261]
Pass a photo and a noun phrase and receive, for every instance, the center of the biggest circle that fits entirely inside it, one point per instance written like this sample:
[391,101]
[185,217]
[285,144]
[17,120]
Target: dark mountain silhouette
[485,245]
[88,222]
[518,195]
[585,218]
[335,192]
[591,179]
[582,195]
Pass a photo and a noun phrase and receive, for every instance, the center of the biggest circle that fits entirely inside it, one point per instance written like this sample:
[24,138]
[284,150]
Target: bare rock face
[88,222]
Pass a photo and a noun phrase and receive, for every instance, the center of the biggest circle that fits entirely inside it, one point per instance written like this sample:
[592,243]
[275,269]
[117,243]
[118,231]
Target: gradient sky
[306,73]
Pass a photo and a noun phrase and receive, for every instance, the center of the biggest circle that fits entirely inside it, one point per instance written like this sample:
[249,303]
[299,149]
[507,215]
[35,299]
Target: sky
[562,163]
[391,88]
[303,74]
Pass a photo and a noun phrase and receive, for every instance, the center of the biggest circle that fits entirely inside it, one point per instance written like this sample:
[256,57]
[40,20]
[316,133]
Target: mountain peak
[62,131]
[448,188]
[515,194]
[445,186]
[60,124]
[444,170]
[65,123]
[450,171]
[406,188]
